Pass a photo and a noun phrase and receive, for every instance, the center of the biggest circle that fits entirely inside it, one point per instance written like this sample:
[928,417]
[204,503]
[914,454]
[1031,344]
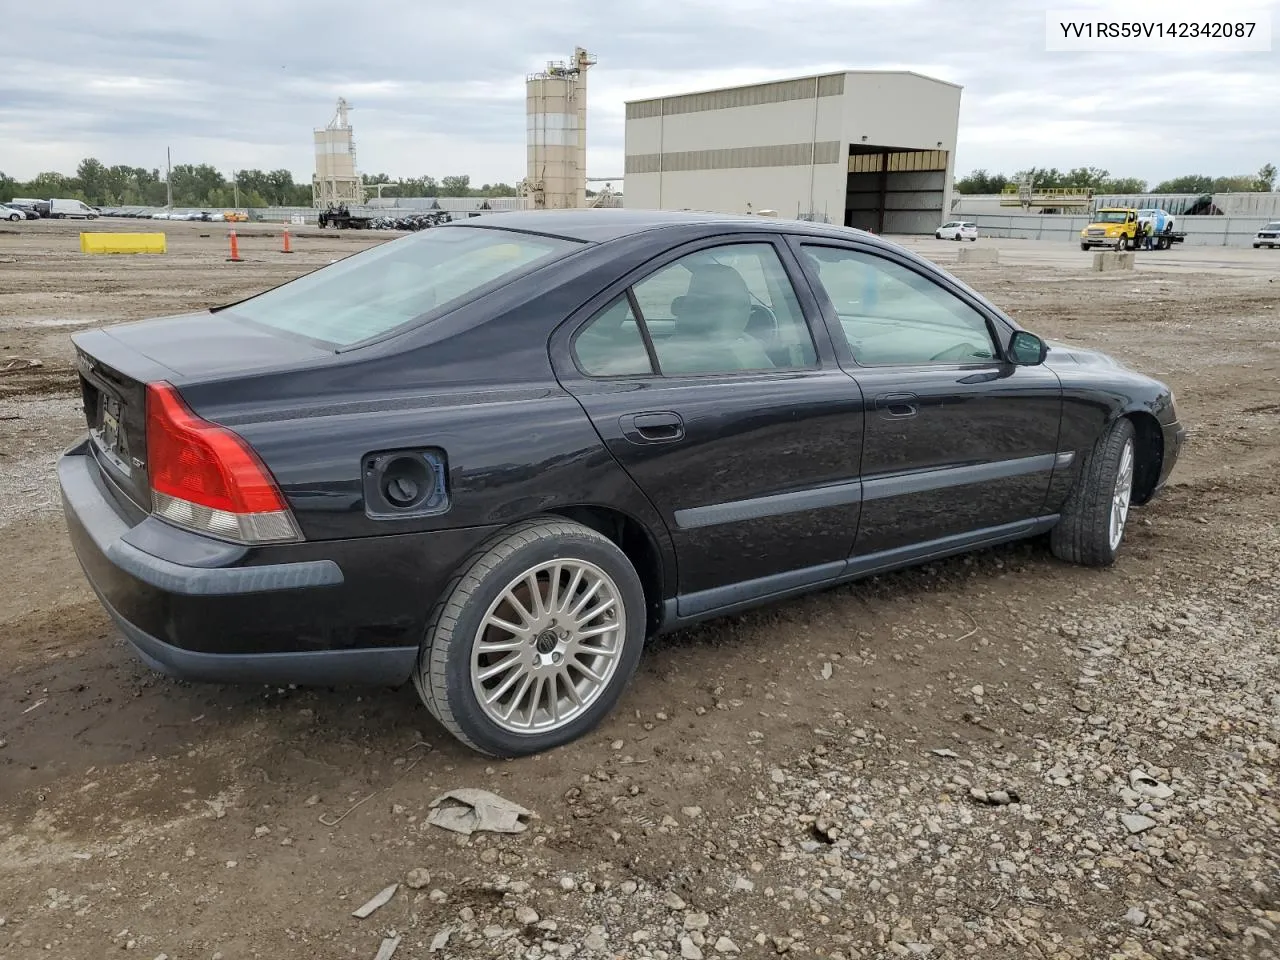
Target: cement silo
[557,121]
[336,180]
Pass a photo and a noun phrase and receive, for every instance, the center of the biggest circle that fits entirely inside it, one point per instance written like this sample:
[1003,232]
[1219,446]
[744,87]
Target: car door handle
[657,427]
[897,406]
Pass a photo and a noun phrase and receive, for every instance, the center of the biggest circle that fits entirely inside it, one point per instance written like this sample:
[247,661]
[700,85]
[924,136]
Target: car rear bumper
[316,613]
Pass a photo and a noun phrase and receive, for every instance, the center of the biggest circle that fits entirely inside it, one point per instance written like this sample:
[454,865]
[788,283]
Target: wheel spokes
[548,646]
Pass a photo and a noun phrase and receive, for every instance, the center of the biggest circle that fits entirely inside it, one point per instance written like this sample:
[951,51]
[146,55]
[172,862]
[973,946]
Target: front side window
[892,315]
[393,284]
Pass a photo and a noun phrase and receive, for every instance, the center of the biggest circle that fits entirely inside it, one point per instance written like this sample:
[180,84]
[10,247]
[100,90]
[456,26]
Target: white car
[957,230]
[13,213]
[1268,236]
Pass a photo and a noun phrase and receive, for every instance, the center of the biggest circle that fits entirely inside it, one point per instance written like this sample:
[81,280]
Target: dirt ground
[795,780]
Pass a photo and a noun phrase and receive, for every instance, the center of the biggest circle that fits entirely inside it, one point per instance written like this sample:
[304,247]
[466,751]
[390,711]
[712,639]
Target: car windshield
[393,284]
[1273,225]
[1112,216]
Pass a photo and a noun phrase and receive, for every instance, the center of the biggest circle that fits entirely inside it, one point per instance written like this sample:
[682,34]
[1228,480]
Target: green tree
[1085,177]
[981,182]
[1266,179]
[1123,185]
[458,185]
[194,185]
[48,185]
[8,187]
[93,180]
[1189,183]
[1239,183]
[1045,178]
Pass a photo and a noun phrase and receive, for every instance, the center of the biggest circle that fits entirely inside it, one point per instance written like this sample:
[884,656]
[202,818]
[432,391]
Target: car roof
[599,225]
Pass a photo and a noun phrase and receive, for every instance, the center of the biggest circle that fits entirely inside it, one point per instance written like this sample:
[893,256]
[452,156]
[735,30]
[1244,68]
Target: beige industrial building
[866,148]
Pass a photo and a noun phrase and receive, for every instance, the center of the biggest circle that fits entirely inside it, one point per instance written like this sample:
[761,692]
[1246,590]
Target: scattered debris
[350,810]
[1147,785]
[944,752]
[826,671]
[440,940]
[388,948]
[1136,917]
[35,706]
[381,900]
[14,364]
[417,878]
[1136,823]
[996,798]
[473,810]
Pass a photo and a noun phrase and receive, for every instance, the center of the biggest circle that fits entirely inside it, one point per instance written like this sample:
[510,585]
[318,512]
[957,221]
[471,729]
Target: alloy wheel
[548,646]
[1120,496]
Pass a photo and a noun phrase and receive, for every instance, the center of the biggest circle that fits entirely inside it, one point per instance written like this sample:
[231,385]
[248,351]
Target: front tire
[534,641]
[1094,517]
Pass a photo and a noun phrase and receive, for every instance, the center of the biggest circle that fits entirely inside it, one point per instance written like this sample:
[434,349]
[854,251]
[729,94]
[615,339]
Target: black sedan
[496,456]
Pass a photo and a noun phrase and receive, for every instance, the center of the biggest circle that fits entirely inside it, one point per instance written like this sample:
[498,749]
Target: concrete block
[122,243]
[979,255]
[1110,260]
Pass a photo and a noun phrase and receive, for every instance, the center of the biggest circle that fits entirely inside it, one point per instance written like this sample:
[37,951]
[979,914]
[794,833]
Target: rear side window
[720,310]
[394,284]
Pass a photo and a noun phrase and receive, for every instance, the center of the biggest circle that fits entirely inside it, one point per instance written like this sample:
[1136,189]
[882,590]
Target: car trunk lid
[116,364]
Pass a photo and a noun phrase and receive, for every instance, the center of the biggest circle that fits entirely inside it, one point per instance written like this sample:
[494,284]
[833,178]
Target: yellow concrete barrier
[122,243]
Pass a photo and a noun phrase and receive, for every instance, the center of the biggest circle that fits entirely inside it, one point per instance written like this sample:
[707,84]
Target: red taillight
[206,478]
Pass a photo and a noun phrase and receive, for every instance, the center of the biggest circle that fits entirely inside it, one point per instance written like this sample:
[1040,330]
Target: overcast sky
[438,87]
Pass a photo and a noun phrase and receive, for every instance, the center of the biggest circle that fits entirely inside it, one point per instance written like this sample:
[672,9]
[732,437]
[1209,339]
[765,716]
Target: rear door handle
[662,426]
[897,406]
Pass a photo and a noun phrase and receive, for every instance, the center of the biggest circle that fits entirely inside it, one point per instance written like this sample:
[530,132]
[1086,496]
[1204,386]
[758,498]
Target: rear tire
[1093,519]
[576,643]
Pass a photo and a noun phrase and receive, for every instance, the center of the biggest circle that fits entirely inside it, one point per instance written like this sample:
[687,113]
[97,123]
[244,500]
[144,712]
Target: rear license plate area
[106,426]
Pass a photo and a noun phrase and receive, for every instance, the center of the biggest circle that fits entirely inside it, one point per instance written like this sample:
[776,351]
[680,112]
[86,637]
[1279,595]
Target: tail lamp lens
[206,478]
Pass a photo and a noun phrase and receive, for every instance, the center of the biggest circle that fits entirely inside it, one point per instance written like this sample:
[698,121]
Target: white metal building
[866,148]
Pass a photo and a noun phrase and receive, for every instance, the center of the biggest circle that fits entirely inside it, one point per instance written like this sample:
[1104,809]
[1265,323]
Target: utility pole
[168,176]
[235,179]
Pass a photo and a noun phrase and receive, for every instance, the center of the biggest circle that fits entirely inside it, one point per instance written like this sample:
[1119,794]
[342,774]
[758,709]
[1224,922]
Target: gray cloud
[438,88]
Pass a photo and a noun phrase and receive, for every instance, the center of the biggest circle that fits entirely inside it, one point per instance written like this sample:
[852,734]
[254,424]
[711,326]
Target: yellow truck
[1119,228]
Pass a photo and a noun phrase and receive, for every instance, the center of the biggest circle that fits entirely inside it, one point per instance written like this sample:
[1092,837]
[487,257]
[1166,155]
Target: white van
[71,208]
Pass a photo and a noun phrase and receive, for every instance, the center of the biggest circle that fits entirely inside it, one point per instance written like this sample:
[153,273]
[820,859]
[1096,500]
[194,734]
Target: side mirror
[1026,349]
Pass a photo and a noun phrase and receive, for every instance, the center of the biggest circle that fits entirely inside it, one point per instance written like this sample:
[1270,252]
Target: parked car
[1267,236]
[495,458]
[14,213]
[41,207]
[957,230]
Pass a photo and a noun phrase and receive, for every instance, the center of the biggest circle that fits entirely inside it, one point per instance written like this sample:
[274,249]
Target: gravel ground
[993,756]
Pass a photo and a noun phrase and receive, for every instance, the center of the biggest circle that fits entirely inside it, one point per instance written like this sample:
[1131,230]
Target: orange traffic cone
[287,248]
[235,249]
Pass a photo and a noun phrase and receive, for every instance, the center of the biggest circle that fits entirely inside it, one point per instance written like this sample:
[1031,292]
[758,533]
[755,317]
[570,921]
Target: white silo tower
[557,144]
[336,180]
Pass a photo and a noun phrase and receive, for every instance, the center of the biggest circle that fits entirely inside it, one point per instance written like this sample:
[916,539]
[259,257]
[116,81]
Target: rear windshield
[393,284]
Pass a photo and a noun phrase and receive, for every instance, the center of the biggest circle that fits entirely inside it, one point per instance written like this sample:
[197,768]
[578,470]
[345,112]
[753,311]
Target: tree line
[203,185]
[982,182]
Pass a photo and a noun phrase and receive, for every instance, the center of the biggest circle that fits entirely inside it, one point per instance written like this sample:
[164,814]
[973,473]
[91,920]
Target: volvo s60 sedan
[497,456]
